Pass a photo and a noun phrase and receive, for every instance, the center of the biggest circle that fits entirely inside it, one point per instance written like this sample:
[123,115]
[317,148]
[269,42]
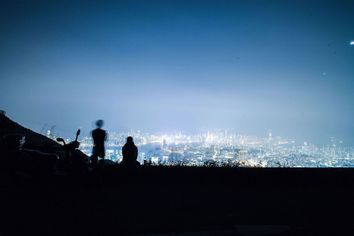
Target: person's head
[130,139]
[99,123]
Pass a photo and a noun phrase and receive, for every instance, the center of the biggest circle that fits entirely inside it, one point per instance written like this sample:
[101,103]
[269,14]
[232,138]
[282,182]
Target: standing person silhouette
[130,153]
[99,136]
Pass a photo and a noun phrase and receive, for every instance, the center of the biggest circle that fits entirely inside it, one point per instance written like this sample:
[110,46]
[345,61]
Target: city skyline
[223,148]
[52,131]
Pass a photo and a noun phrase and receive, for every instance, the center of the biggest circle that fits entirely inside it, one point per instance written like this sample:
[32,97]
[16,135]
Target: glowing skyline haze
[164,66]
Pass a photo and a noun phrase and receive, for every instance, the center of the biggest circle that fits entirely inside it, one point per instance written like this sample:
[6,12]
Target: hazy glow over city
[181,66]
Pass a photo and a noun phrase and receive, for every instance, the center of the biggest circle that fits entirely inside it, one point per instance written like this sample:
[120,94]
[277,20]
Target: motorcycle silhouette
[73,158]
[72,146]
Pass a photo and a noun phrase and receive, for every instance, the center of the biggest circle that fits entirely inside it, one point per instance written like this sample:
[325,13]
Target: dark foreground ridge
[176,201]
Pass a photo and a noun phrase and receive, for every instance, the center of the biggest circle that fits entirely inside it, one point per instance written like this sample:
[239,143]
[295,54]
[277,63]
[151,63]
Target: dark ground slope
[170,200]
[33,139]
[153,200]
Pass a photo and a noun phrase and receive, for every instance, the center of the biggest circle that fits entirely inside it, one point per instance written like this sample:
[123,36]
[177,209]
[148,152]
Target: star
[352,43]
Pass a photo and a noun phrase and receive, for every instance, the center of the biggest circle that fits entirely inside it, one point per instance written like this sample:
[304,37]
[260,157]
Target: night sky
[163,66]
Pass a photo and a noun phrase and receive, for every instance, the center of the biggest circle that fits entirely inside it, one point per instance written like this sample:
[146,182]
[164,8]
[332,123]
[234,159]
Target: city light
[223,148]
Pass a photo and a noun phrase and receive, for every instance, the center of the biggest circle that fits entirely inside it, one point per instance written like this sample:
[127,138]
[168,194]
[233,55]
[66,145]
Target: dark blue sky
[164,66]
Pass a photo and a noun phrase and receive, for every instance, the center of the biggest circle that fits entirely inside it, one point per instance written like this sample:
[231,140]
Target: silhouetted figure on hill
[130,153]
[99,136]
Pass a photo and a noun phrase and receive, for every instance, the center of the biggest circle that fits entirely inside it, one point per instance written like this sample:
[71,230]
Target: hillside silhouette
[33,139]
[155,200]
[24,150]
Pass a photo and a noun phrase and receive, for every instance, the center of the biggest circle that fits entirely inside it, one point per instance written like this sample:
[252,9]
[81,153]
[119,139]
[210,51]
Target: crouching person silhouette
[99,136]
[130,154]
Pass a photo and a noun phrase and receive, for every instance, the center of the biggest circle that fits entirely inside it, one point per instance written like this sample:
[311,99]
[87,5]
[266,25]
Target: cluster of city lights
[222,148]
